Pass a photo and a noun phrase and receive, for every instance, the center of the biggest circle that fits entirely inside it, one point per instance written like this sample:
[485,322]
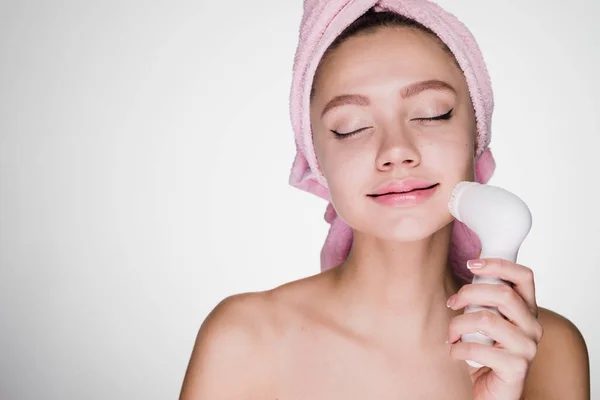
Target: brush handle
[477,337]
[501,221]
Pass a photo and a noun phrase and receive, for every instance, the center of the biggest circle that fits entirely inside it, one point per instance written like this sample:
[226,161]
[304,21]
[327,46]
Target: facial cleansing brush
[501,221]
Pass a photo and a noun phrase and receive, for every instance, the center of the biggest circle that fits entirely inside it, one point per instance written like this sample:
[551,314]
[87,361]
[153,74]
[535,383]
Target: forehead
[387,53]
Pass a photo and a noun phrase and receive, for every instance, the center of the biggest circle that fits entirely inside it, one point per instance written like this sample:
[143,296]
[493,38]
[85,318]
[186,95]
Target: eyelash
[446,116]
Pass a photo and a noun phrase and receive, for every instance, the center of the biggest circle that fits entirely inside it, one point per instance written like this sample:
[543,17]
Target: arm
[561,368]
[226,359]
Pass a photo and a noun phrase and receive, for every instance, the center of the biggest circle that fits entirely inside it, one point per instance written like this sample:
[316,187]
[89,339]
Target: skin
[378,326]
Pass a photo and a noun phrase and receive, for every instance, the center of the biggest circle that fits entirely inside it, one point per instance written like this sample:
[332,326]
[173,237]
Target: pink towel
[322,22]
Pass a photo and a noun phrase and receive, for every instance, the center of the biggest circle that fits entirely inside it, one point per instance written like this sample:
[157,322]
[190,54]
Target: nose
[397,150]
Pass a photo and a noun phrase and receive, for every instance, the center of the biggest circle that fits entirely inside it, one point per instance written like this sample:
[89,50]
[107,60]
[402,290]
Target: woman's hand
[506,364]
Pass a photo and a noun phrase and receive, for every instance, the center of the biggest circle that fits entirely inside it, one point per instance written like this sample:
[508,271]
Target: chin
[406,228]
[410,231]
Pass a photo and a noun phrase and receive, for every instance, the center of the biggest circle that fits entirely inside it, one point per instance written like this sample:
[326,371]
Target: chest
[347,373]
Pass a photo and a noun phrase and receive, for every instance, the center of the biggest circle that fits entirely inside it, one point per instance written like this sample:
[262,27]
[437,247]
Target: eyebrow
[408,91]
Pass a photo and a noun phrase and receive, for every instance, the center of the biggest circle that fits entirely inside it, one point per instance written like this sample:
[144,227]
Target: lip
[405,199]
[406,193]
[403,186]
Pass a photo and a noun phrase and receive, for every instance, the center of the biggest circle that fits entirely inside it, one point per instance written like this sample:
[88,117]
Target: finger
[506,335]
[508,367]
[505,299]
[520,276]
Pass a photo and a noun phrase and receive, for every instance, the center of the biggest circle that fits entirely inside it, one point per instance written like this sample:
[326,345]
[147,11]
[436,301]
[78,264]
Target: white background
[144,157]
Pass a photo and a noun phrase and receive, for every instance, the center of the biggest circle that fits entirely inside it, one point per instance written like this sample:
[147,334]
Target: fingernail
[451,301]
[451,342]
[475,264]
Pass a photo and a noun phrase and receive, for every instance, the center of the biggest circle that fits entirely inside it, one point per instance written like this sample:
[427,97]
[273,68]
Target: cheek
[448,162]
[453,150]
[343,167]
[348,172]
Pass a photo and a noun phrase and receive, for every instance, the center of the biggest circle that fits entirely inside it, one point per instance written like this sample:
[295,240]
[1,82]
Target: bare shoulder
[237,346]
[229,359]
[560,369]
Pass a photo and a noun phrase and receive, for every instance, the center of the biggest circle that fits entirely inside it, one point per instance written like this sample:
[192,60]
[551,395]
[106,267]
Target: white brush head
[499,218]
[455,196]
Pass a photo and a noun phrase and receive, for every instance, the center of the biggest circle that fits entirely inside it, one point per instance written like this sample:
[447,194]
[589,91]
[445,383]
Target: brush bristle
[454,197]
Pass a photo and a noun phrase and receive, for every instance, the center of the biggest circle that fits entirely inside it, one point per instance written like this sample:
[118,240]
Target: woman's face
[385,71]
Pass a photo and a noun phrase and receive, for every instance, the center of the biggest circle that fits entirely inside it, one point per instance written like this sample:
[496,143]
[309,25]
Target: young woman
[390,111]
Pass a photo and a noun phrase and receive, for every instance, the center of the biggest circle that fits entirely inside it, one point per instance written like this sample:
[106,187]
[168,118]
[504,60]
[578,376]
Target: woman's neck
[398,289]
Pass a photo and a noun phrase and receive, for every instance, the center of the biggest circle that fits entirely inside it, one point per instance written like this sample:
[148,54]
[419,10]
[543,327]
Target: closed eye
[340,135]
[446,116]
